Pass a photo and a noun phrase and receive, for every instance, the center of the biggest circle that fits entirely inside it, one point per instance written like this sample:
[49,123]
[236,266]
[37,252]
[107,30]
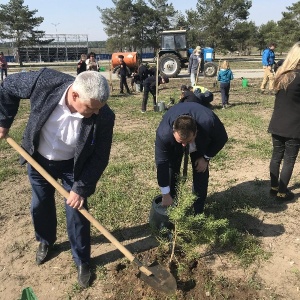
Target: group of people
[224,76]
[147,79]
[70,130]
[87,63]
[141,74]
[69,133]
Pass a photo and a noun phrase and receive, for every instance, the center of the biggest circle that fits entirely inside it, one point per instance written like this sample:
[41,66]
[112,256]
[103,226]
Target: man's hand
[3,132]
[75,201]
[201,165]
[167,200]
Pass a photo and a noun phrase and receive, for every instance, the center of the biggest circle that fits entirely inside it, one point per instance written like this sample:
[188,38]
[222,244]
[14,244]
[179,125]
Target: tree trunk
[19,58]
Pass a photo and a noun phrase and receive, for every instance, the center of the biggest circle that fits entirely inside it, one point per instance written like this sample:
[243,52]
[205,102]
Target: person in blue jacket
[268,61]
[225,75]
[198,128]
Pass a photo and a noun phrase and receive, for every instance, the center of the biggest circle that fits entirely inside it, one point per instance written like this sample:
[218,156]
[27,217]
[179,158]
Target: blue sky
[73,16]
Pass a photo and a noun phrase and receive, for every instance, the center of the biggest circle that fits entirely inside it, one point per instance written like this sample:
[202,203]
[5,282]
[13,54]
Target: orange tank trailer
[131,59]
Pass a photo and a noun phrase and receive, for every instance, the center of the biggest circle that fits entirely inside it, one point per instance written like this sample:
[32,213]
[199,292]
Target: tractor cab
[173,39]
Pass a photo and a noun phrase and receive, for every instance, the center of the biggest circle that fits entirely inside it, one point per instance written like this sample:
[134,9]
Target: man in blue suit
[69,133]
[198,128]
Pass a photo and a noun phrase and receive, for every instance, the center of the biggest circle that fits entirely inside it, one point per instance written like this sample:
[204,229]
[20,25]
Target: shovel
[154,275]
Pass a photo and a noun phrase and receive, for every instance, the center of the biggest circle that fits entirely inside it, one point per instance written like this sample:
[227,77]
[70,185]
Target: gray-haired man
[69,133]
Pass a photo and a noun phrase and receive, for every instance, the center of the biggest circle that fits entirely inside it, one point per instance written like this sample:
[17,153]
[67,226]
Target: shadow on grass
[235,202]
[143,233]
[219,106]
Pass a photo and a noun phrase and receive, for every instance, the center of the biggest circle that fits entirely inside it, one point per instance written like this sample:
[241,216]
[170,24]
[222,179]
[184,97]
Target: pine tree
[18,24]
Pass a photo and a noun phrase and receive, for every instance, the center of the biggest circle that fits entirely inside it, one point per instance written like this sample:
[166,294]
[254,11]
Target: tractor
[174,55]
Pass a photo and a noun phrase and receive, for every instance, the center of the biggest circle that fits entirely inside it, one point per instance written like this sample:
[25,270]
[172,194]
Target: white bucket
[137,87]
[161,106]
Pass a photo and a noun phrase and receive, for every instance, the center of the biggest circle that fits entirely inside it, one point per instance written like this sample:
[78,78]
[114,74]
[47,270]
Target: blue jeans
[200,180]
[43,209]
[193,77]
[285,149]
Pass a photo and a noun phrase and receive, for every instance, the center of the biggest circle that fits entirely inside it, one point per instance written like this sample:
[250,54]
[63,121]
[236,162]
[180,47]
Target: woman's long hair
[286,73]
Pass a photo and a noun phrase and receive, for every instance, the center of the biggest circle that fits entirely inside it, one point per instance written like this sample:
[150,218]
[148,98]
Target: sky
[83,17]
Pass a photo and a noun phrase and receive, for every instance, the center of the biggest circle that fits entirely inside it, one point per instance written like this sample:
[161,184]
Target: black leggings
[285,149]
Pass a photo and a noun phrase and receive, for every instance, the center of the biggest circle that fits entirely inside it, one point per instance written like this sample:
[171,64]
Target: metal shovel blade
[160,280]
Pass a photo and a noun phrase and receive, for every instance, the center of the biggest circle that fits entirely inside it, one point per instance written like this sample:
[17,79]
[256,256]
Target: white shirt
[60,133]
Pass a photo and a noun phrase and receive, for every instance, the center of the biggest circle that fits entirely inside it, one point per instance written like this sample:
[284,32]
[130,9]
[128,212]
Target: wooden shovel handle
[83,211]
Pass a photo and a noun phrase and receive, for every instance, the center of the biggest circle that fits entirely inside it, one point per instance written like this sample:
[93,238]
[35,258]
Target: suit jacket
[45,88]
[210,139]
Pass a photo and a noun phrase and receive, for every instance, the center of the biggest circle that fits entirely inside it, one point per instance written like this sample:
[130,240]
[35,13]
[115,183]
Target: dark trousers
[123,82]
[147,90]
[43,209]
[142,78]
[224,88]
[200,181]
[3,71]
[285,149]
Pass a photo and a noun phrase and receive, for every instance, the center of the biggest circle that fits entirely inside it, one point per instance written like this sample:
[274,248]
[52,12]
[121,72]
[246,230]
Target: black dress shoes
[84,275]
[41,253]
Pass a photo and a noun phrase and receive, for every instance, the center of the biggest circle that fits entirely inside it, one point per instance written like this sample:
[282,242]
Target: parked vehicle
[174,55]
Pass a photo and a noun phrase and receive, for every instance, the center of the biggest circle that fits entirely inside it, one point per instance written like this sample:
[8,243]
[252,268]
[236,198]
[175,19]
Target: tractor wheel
[210,69]
[169,65]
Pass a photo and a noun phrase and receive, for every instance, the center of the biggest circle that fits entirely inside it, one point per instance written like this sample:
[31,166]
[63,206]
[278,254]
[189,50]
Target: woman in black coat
[285,124]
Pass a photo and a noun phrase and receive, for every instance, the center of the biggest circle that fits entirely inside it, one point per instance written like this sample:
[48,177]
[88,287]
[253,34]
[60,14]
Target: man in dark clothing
[199,128]
[152,71]
[188,95]
[143,75]
[123,74]
[69,133]
[150,87]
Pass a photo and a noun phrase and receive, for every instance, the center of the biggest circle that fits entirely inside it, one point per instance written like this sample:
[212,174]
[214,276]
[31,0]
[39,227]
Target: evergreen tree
[289,27]
[18,24]
[134,25]
[267,33]
[214,20]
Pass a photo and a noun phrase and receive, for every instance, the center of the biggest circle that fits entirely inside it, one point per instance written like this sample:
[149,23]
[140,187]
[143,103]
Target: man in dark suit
[198,128]
[143,74]
[150,87]
[123,72]
[69,133]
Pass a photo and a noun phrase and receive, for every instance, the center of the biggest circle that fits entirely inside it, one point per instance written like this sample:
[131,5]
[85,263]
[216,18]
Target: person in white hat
[194,63]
